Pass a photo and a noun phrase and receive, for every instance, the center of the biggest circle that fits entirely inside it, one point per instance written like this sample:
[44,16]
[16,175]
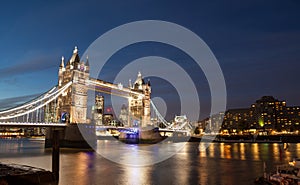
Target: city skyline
[257,45]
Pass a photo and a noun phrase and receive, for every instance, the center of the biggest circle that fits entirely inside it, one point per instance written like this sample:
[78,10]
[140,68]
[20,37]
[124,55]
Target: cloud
[29,65]
[15,101]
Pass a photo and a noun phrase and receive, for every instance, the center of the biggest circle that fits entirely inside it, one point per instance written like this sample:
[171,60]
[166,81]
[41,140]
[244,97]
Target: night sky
[257,44]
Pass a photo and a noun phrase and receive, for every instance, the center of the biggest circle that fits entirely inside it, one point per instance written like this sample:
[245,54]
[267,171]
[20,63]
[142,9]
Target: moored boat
[286,174]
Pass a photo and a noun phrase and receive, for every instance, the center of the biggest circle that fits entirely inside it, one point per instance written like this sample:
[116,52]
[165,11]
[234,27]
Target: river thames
[219,164]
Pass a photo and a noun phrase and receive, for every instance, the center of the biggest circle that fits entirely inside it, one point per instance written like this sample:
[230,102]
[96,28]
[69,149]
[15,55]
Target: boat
[295,163]
[286,174]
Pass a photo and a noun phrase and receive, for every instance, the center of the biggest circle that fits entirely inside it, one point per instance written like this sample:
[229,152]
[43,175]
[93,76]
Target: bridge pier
[55,153]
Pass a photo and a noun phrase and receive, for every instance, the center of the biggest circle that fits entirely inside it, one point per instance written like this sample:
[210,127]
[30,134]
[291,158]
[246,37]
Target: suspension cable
[55,95]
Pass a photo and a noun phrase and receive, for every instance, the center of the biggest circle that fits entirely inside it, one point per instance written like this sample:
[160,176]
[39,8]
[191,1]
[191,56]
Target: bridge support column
[55,153]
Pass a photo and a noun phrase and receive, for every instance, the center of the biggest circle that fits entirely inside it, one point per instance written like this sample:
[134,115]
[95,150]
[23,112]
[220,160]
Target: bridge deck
[20,124]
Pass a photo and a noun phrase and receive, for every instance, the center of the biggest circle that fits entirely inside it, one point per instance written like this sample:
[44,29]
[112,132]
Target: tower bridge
[66,103]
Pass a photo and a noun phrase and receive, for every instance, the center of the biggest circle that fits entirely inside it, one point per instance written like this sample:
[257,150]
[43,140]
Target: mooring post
[55,153]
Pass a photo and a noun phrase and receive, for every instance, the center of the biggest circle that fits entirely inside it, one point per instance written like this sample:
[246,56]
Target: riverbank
[15,174]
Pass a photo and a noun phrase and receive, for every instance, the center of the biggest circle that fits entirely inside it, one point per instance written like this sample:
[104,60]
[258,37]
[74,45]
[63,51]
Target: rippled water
[224,164]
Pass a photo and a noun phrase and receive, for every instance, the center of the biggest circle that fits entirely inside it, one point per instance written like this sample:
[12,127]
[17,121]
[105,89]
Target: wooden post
[55,153]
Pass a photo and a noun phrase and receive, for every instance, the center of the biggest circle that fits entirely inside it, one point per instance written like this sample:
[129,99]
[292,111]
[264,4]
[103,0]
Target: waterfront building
[236,120]
[266,115]
[200,126]
[214,122]
[293,118]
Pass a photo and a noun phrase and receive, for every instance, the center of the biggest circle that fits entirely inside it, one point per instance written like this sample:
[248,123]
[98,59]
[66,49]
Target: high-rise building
[123,117]
[293,118]
[236,119]
[214,123]
[98,110]
[268,113]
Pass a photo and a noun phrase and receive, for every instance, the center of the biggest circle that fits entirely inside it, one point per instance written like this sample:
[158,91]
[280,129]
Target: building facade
[98,111]
[266,114]
[236,119]
[293,118]
[123,117]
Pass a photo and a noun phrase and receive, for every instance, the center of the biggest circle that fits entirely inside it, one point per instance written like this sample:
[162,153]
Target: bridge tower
[72,106]
[139,106]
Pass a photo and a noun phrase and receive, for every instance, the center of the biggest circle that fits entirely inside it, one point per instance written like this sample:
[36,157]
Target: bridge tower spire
[61,71]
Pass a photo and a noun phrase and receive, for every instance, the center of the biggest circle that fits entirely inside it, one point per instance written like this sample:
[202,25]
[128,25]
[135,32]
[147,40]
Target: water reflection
[81,168]
[13,146]
[218,163]
[227,150]
[255,151]
[276,151]
[138,155]
[250,151]
[136,175]
[298,151]
[211,151]
[182,172]
[242,151]
[222,150]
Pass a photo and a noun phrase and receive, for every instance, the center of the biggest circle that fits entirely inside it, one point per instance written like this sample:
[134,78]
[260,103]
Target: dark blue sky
[257,43]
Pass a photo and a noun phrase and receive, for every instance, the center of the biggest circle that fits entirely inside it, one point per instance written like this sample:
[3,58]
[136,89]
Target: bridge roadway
[135,128]
[29,124]
[33,124]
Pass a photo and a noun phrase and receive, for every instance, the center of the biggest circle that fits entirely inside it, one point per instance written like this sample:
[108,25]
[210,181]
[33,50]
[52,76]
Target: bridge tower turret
[138,105]
[146,102]
[61,71]
[72,106]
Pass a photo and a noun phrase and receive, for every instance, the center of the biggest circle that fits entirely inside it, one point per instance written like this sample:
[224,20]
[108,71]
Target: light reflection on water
[138,155]
[251,151]
[220,163]
[242,151]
